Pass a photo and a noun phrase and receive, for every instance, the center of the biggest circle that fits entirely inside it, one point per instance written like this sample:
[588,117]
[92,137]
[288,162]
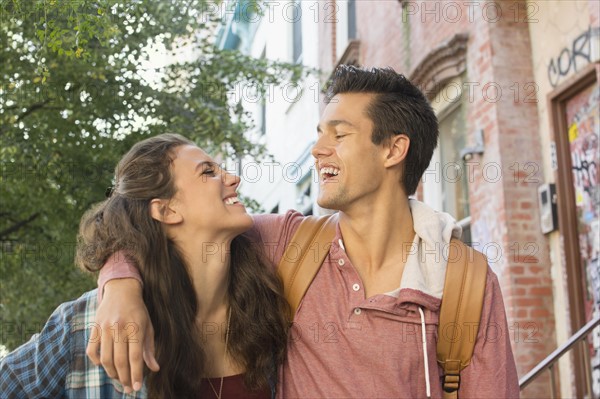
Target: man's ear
[161,210]
[397,149]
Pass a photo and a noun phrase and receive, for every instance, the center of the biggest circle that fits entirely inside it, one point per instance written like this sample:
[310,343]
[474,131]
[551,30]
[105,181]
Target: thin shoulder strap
[304,255]
[460,313]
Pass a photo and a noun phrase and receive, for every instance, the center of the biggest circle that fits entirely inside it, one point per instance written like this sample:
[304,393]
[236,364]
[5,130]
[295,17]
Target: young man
[358,331]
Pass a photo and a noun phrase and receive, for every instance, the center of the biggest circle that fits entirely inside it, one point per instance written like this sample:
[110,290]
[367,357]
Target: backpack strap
[462,302]
[304,255]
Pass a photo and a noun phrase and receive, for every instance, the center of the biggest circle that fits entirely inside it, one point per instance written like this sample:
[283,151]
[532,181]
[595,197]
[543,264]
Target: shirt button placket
[356,288]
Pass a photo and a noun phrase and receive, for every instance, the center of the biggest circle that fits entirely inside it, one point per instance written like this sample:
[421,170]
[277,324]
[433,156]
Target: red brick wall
[515,145]
[432,23]
[381,43]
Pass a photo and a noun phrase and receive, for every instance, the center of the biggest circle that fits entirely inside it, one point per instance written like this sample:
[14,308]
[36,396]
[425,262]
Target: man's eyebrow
[336,122]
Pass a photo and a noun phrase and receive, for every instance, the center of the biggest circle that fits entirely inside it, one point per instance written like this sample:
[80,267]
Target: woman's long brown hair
[258,331]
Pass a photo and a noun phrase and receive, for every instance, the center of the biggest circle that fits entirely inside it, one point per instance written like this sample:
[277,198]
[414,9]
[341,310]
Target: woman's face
[206,197]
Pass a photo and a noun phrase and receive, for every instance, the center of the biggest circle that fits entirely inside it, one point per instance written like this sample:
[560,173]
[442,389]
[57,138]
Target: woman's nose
[231,179]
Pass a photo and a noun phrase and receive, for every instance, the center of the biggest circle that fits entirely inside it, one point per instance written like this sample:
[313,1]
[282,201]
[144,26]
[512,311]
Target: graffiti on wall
[573,58]
[583,118]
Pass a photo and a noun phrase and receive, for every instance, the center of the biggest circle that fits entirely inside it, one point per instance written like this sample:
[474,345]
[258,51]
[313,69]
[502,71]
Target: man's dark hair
[398,107]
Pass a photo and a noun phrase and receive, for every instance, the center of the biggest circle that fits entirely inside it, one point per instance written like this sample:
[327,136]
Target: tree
[73,99]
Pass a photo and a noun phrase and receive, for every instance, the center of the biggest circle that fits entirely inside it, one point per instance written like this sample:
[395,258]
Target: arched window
[440,75]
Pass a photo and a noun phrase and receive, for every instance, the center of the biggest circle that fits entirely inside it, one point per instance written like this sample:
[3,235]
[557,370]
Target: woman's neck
[208,264]
[209,268]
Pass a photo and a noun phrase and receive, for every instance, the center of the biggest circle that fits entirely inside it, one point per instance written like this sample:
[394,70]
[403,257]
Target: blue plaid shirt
[53,364]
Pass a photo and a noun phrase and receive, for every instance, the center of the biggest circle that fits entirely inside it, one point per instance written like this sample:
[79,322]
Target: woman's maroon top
[233,388]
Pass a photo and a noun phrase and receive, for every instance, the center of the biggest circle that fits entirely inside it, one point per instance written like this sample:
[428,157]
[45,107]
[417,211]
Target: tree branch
[32,109]
[4,233]
[40,105]
[27,112]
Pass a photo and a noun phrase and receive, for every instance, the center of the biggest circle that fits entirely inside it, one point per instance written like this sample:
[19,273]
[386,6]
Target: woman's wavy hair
[258,330]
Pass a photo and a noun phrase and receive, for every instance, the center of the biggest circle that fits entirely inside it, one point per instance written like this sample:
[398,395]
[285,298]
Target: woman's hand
[124,336]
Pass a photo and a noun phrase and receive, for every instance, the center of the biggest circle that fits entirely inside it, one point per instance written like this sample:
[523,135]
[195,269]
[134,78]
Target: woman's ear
[161,210]
[397,150]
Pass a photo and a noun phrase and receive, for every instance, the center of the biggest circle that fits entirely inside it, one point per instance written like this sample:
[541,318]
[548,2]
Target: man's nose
[320,148]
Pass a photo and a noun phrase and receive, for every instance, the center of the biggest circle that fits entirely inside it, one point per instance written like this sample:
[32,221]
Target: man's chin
[328,203]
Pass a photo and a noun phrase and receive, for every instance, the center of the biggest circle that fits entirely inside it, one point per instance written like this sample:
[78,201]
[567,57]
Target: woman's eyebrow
[203,163]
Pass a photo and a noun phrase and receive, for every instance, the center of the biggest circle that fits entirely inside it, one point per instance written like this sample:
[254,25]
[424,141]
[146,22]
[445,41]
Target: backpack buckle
[451,382]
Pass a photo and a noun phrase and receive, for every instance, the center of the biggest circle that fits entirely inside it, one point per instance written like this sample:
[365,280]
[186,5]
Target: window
[345,28]
[439,76]
[303,197]
[455,189]
[455,194]
[297,32]
[262,106]
[351,19]
[262,117]
[445,183]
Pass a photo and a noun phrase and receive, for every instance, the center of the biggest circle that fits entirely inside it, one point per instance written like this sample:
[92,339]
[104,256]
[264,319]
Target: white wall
[292,113]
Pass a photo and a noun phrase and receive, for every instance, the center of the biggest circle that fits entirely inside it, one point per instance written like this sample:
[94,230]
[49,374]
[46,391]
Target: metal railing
[549,362]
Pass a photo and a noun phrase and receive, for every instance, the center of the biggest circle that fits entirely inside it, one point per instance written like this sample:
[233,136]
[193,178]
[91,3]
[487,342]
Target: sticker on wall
[553,157]
[573,133]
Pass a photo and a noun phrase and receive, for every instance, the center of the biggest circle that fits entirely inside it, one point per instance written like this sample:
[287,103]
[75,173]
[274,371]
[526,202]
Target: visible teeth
[330,171]
[231,200]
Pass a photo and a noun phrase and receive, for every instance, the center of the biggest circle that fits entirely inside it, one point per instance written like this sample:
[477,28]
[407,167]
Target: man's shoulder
[274,231]
[277,224]
[277,218]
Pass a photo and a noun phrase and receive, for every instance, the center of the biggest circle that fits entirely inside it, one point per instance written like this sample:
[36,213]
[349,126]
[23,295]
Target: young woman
[217,309]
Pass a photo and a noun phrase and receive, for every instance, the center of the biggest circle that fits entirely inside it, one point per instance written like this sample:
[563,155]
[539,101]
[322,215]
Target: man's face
[350,166]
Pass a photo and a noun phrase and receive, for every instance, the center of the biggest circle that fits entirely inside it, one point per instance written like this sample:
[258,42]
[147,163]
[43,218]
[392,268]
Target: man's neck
[377,241]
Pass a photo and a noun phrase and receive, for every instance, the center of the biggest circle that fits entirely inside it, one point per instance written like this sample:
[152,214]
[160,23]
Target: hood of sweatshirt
[425,267]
